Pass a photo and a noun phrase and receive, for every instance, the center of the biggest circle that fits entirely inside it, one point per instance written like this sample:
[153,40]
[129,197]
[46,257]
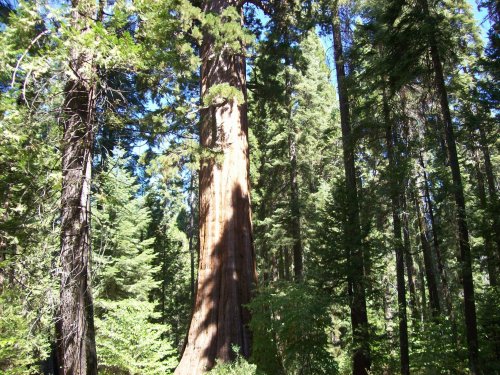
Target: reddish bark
[226,273]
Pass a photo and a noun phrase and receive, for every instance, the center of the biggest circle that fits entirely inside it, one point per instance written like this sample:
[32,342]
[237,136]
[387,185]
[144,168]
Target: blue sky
[480,18]
[479,15]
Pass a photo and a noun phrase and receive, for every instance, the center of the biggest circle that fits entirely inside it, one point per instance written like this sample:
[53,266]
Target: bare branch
[24,54]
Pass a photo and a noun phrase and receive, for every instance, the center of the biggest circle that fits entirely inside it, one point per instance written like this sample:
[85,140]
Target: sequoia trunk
[226,273]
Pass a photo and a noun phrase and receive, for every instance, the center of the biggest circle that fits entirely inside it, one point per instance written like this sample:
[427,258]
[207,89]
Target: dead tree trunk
[226,272]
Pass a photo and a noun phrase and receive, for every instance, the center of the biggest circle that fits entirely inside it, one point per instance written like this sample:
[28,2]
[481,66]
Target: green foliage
[219,94]
[22,344]
[239,367]
[171,228]
[290,323]
[226,29]
[127,339]
[123,262]
[434,350]
[489,328]
[29,237]
[291,111]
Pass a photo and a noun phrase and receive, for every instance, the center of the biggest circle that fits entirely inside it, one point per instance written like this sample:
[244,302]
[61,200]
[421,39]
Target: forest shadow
[226,280]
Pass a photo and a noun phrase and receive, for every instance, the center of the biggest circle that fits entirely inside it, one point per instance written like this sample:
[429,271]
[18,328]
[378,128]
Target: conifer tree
[396,193]
[401,179]
[226,272]
[309,112]
[293,106]
[359,317]
[128,340]
[458,191]
[75,325]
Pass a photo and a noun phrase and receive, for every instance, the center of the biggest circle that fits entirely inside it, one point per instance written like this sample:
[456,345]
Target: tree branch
[24,54]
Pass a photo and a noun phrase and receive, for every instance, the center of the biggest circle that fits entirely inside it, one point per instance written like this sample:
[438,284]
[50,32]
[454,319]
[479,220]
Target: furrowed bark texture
[465,258]
[226,273]
[75,325]
[359,317]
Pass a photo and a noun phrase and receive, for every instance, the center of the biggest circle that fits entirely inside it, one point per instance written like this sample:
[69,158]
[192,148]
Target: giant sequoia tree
[226,272]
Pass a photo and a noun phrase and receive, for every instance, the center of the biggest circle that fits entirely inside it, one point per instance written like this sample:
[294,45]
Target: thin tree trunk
[3,239]
[428,263]
[164,282]
[458,191]
[492,189]
[226,273]
[421,287]
[410,268]
[295,208]
[359,317]
[388,313]
[295,228]
[75,321]
[281,264]
[288,263]
[485,230]
[443,277]
[395,187]
[437,250]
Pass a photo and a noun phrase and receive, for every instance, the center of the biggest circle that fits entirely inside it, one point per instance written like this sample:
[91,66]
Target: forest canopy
[249,187]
